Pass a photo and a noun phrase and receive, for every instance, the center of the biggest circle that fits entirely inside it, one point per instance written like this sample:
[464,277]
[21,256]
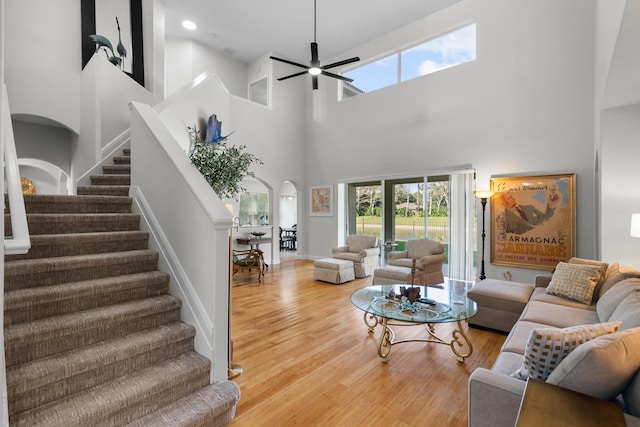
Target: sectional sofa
[590,320]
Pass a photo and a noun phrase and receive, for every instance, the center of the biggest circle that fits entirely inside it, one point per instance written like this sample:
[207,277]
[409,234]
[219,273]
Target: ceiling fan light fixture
[314,68]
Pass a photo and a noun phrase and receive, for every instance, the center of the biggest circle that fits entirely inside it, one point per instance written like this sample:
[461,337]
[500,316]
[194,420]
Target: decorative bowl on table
[258,233]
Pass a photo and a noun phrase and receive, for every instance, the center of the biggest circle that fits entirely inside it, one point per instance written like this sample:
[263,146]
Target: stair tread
[18,267]
[24,298]
[48,239]
[27,376]
[57,326]
[190,409]
[100,403]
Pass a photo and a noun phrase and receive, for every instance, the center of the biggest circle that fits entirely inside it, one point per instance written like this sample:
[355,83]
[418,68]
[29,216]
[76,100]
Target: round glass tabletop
[435,305]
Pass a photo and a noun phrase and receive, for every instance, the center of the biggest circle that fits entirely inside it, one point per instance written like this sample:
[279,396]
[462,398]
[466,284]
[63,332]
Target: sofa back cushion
[357,243]
[609,301]
[574,281]
[628,311]
[602,367]
[631,395]
[615,274]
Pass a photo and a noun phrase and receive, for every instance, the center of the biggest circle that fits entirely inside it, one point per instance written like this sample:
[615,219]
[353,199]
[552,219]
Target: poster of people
[533,220]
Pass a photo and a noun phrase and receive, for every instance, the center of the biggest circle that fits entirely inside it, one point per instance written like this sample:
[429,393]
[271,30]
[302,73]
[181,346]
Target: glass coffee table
[436,305]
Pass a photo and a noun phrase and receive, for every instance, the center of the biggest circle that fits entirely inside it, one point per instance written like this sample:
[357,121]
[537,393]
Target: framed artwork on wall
[100,14]
[533,220]
[321,201]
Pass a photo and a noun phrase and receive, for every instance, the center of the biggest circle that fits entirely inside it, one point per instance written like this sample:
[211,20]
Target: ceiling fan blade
[286,61]
[314,82]
[314,55]
[336,76]
[293,75]
[339,63]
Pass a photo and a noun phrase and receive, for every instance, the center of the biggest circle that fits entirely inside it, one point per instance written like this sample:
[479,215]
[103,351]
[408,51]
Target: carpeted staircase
[92,337]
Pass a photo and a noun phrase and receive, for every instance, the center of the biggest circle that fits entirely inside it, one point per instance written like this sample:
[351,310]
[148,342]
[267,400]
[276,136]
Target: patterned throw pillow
[574,281]
[547,347]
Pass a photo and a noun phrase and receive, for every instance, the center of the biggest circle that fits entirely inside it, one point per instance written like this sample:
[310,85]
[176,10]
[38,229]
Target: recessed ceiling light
[189,25]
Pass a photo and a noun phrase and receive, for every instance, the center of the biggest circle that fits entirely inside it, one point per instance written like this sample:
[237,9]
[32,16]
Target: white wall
[39,141]
[186,59]
[619,121]
[43,57]
[525,106]
[620,192]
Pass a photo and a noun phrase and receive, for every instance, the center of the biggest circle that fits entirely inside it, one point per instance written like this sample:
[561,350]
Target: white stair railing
[19,242]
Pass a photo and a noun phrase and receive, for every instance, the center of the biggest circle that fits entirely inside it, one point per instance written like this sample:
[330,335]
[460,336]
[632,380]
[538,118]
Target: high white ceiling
[248,29]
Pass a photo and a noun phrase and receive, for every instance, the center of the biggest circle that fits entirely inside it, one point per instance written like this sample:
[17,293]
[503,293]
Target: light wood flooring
[308,359]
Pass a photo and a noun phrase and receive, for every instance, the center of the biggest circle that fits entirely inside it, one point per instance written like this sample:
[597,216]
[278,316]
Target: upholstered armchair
[362,250]
[429,256]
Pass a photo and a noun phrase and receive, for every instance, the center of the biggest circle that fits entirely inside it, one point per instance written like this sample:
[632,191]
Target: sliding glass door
[439,207]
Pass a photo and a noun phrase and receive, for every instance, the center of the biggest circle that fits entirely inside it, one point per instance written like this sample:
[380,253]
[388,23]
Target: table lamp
[635,225]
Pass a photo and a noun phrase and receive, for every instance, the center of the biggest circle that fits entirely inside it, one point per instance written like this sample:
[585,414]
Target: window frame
[397,52]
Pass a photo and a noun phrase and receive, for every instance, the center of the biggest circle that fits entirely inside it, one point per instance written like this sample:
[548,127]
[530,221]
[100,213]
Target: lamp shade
[635,225]
[483,194]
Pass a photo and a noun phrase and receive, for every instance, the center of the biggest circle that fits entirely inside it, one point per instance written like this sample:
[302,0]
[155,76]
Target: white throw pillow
[574,281]
[547,347]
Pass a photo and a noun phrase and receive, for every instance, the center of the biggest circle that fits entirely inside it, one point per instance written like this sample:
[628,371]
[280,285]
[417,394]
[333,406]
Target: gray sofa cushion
[602,367]
[517,339]
[560,316]
[631,395]
[610,300]
[628,311]
[539,294]
[616,274]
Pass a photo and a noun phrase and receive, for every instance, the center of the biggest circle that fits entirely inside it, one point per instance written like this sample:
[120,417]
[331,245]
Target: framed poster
[533,220]
[321,201]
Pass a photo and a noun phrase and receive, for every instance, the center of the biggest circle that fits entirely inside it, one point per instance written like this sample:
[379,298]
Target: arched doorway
[288,220]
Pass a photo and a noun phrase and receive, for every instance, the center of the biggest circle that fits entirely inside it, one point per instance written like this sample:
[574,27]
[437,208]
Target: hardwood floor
[308,359]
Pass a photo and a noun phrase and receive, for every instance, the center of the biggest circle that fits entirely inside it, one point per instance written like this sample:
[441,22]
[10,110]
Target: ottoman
[500,303]
[391,275]
[336,271]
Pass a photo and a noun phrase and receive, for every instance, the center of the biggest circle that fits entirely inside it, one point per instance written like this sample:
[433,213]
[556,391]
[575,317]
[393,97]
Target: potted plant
[223,166]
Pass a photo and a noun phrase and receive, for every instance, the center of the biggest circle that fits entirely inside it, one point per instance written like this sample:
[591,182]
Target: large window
[438,207]
[445,51]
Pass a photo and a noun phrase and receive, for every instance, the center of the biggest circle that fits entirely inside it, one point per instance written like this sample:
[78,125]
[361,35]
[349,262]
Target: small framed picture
[321,201]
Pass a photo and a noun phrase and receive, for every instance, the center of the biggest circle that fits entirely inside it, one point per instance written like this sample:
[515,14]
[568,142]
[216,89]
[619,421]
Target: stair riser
[111,179]
[64,305]
[18,280]
[122,160]
[103,190]
[53,247]
[117,169]
[62,224]
[27,399]
[24,350]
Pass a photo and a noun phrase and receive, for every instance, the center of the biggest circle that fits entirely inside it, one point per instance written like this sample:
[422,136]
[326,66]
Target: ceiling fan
[314,68]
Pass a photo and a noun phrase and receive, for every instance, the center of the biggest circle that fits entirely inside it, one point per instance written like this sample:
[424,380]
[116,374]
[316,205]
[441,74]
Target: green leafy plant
[223,166]
[116,57]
